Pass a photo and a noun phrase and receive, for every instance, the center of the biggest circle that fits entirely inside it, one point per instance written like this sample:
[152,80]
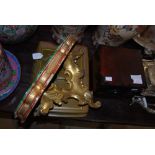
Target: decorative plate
[115,35]
[147,38]
[60,32]
[16,33]
[15,77]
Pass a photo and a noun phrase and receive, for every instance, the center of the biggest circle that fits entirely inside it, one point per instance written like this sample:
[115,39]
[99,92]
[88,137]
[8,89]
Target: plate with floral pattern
[16,73]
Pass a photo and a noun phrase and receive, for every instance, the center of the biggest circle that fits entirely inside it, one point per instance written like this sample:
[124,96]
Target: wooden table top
[113,110]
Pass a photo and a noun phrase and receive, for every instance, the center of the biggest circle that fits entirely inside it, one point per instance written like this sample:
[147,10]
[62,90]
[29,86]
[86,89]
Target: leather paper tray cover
[116,66]
[70,109]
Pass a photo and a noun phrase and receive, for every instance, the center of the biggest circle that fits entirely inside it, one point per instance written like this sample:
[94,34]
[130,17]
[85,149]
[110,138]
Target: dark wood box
[118,71]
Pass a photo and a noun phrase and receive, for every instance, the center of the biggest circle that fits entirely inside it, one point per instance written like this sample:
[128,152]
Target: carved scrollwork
[76,88]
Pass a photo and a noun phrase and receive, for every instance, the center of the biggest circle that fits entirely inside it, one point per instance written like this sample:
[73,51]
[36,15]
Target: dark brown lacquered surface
[114,109]
[120,64]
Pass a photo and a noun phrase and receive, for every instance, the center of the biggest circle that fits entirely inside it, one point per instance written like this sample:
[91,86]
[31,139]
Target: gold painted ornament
[149,69]
[74,86]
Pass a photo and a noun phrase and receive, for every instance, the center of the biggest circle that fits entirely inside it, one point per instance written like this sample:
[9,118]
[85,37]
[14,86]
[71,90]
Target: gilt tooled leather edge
[45,76]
